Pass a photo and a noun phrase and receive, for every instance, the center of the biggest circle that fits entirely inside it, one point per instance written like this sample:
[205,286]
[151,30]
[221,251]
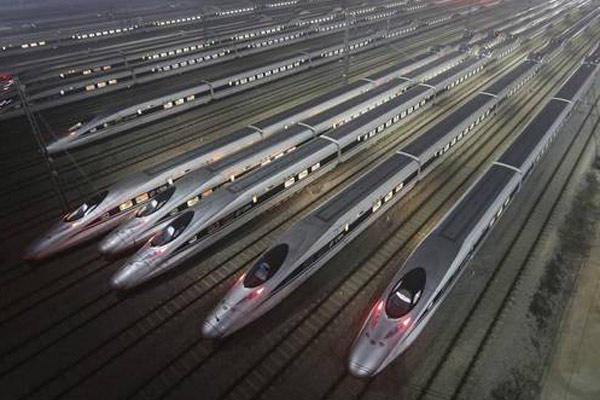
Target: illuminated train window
[266,266]
[406,294]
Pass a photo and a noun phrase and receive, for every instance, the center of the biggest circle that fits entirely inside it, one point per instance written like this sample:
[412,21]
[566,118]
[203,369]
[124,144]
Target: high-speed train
[130,116]
[118,202]
[111,123]
[6,81]
[312,241]
[194,51]
[202,182]
[112,206]
[201,225]
[106,124]
[427,276]
[199,184]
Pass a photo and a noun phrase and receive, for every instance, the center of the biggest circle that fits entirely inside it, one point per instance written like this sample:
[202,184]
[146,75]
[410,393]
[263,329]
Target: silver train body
[229,208]
[104,126]
[203,182]
[66,36]
[118,204]
[427,276]
[111,123]
[312,241]
[155,179]
[122,198]
[185,54]
[234,205]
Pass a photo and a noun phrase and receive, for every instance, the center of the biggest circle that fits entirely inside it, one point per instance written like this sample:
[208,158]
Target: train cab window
[406,294]
[156,203]
[173,230]
[266,266]
[86,207]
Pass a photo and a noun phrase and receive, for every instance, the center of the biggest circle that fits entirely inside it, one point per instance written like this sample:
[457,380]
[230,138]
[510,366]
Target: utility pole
[346,43]
[469,15]
[41,145]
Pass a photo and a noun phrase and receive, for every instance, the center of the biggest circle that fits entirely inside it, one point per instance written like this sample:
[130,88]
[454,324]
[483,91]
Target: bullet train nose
[360,371]
[130,275]
[115,243]
[210,331]
[42,248]
[57,146]
[35,251]
[365,358]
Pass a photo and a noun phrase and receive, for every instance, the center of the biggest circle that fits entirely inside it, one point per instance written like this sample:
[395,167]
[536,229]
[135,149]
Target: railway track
[494,300]
[215,275]
[91,106]
[116,165]
[100,104]
[162,144]
[395,246]
[439,113]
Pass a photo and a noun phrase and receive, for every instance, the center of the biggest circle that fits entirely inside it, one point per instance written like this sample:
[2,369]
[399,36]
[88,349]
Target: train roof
[378,112]
[198,151]
[523,145]
[575,82]
[403,64]
[439,130]
[315,146]
[471,208]
[452,71]
[435,63]
[280,164]
[334,111]
[367,183]
[312,103]
[505,80]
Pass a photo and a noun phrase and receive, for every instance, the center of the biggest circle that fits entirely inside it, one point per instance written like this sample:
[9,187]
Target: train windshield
[266,266]
[173,230]
[157,202]
[406,294]
[86,207]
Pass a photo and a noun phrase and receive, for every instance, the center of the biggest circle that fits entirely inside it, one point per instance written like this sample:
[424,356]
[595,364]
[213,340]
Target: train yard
[428,105]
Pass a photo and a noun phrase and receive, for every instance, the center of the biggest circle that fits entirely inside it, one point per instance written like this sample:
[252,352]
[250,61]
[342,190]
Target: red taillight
[256,293]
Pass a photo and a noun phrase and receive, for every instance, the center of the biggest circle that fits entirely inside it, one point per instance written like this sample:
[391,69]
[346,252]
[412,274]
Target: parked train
[203,182]
[103,126]
[306,246]
[312,241]
[107,209]
[201,225]
[428,275]
[189,54]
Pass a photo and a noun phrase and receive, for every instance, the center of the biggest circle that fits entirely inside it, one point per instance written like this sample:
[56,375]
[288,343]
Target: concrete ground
[574,368]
